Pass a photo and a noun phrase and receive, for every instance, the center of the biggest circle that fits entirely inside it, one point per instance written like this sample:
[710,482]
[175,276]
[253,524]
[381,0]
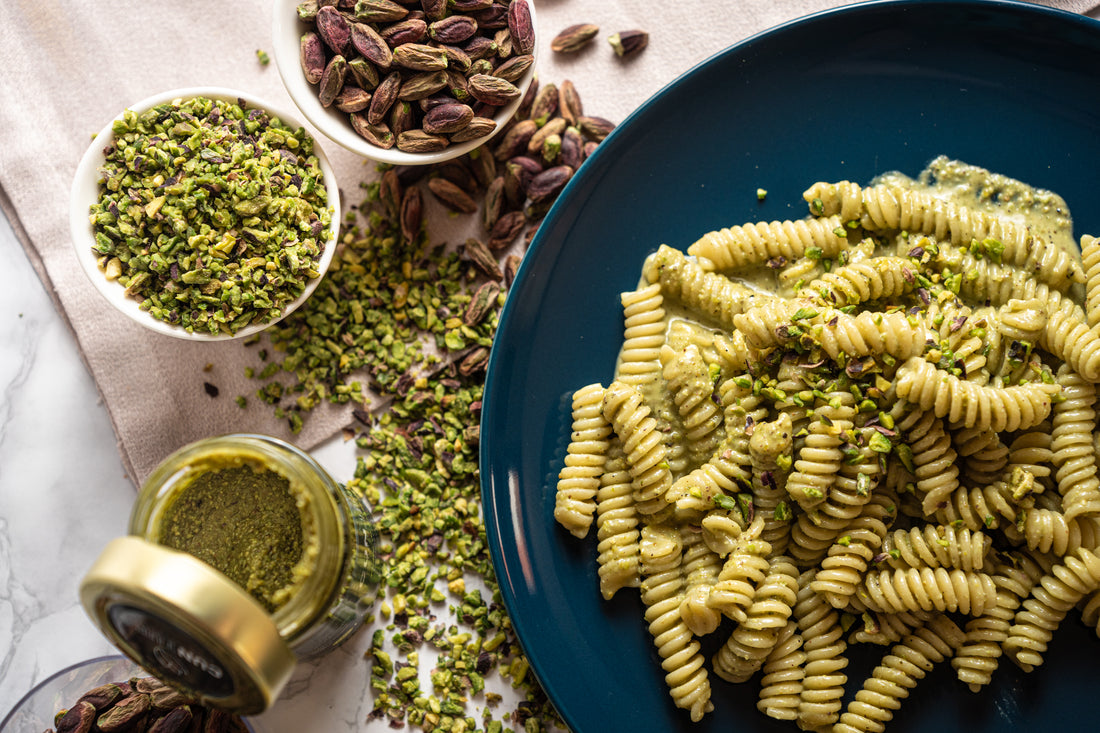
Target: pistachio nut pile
[141,705]
[418,76]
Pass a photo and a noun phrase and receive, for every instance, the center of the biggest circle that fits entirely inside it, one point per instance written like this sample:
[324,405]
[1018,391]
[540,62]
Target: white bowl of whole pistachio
[204,213]
[406,84]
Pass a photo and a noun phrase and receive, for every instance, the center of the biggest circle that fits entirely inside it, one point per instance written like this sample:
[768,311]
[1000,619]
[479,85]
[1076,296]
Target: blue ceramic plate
[845,94]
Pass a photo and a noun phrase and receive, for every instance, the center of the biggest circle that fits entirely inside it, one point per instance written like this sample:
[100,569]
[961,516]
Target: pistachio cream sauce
[1044,212]
[246,520]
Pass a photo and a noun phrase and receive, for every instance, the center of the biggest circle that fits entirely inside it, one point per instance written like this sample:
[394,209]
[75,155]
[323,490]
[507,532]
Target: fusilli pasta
[616,526]
[866,427]
[753,244]
[585,457]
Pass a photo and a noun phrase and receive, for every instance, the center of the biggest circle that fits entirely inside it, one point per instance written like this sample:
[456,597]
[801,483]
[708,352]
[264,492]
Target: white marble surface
[54,504]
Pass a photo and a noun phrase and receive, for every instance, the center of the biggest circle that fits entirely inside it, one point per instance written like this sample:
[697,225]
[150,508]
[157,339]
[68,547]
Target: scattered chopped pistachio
[383,310]
[414,322]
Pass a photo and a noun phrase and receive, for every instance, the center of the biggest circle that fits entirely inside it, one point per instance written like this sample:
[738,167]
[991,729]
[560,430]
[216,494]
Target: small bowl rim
[49,679]
[105,659]
[286,31]
[85,191]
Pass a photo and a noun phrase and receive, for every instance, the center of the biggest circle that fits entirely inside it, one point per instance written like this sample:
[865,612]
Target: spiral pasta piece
[1050,600]
[868,333]
[781,683]
[742,573]
[979,655]
[971,405]
[816,530]
[1074,421]
[736,247]
[986,281]
[819,461]
[899,671]
[728,470]
[616,527]
[936,546]
[873,279]
[1090,261]
[838,334]
[700,567]
[1069,337]
[791,382]
[975,508]
[928,589]
[935,462]
[1046,530]
[771,441]
[823,684]
[895,207]
[843,199]
[708,294]
[842,569]
[690,384]
[754,638]
[662,594]
[645,451]
[579,479]
[643,335]
[741,410]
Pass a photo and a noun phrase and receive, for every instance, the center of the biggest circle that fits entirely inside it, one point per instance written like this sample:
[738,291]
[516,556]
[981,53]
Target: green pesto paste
[245,521]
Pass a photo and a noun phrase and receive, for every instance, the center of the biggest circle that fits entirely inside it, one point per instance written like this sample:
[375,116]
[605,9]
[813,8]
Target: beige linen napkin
[70,67]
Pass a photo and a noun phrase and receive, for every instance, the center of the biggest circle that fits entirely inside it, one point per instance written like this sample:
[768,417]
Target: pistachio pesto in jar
[244,557]
[270,519]
[249,522]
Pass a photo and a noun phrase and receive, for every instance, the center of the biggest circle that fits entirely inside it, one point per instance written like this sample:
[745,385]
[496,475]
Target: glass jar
[174,597]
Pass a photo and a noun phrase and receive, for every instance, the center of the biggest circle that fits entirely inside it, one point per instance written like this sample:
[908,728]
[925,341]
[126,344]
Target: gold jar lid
[187,624]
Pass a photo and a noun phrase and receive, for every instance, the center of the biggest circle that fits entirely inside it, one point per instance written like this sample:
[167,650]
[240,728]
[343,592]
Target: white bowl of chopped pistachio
[406,85]
[204,213]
